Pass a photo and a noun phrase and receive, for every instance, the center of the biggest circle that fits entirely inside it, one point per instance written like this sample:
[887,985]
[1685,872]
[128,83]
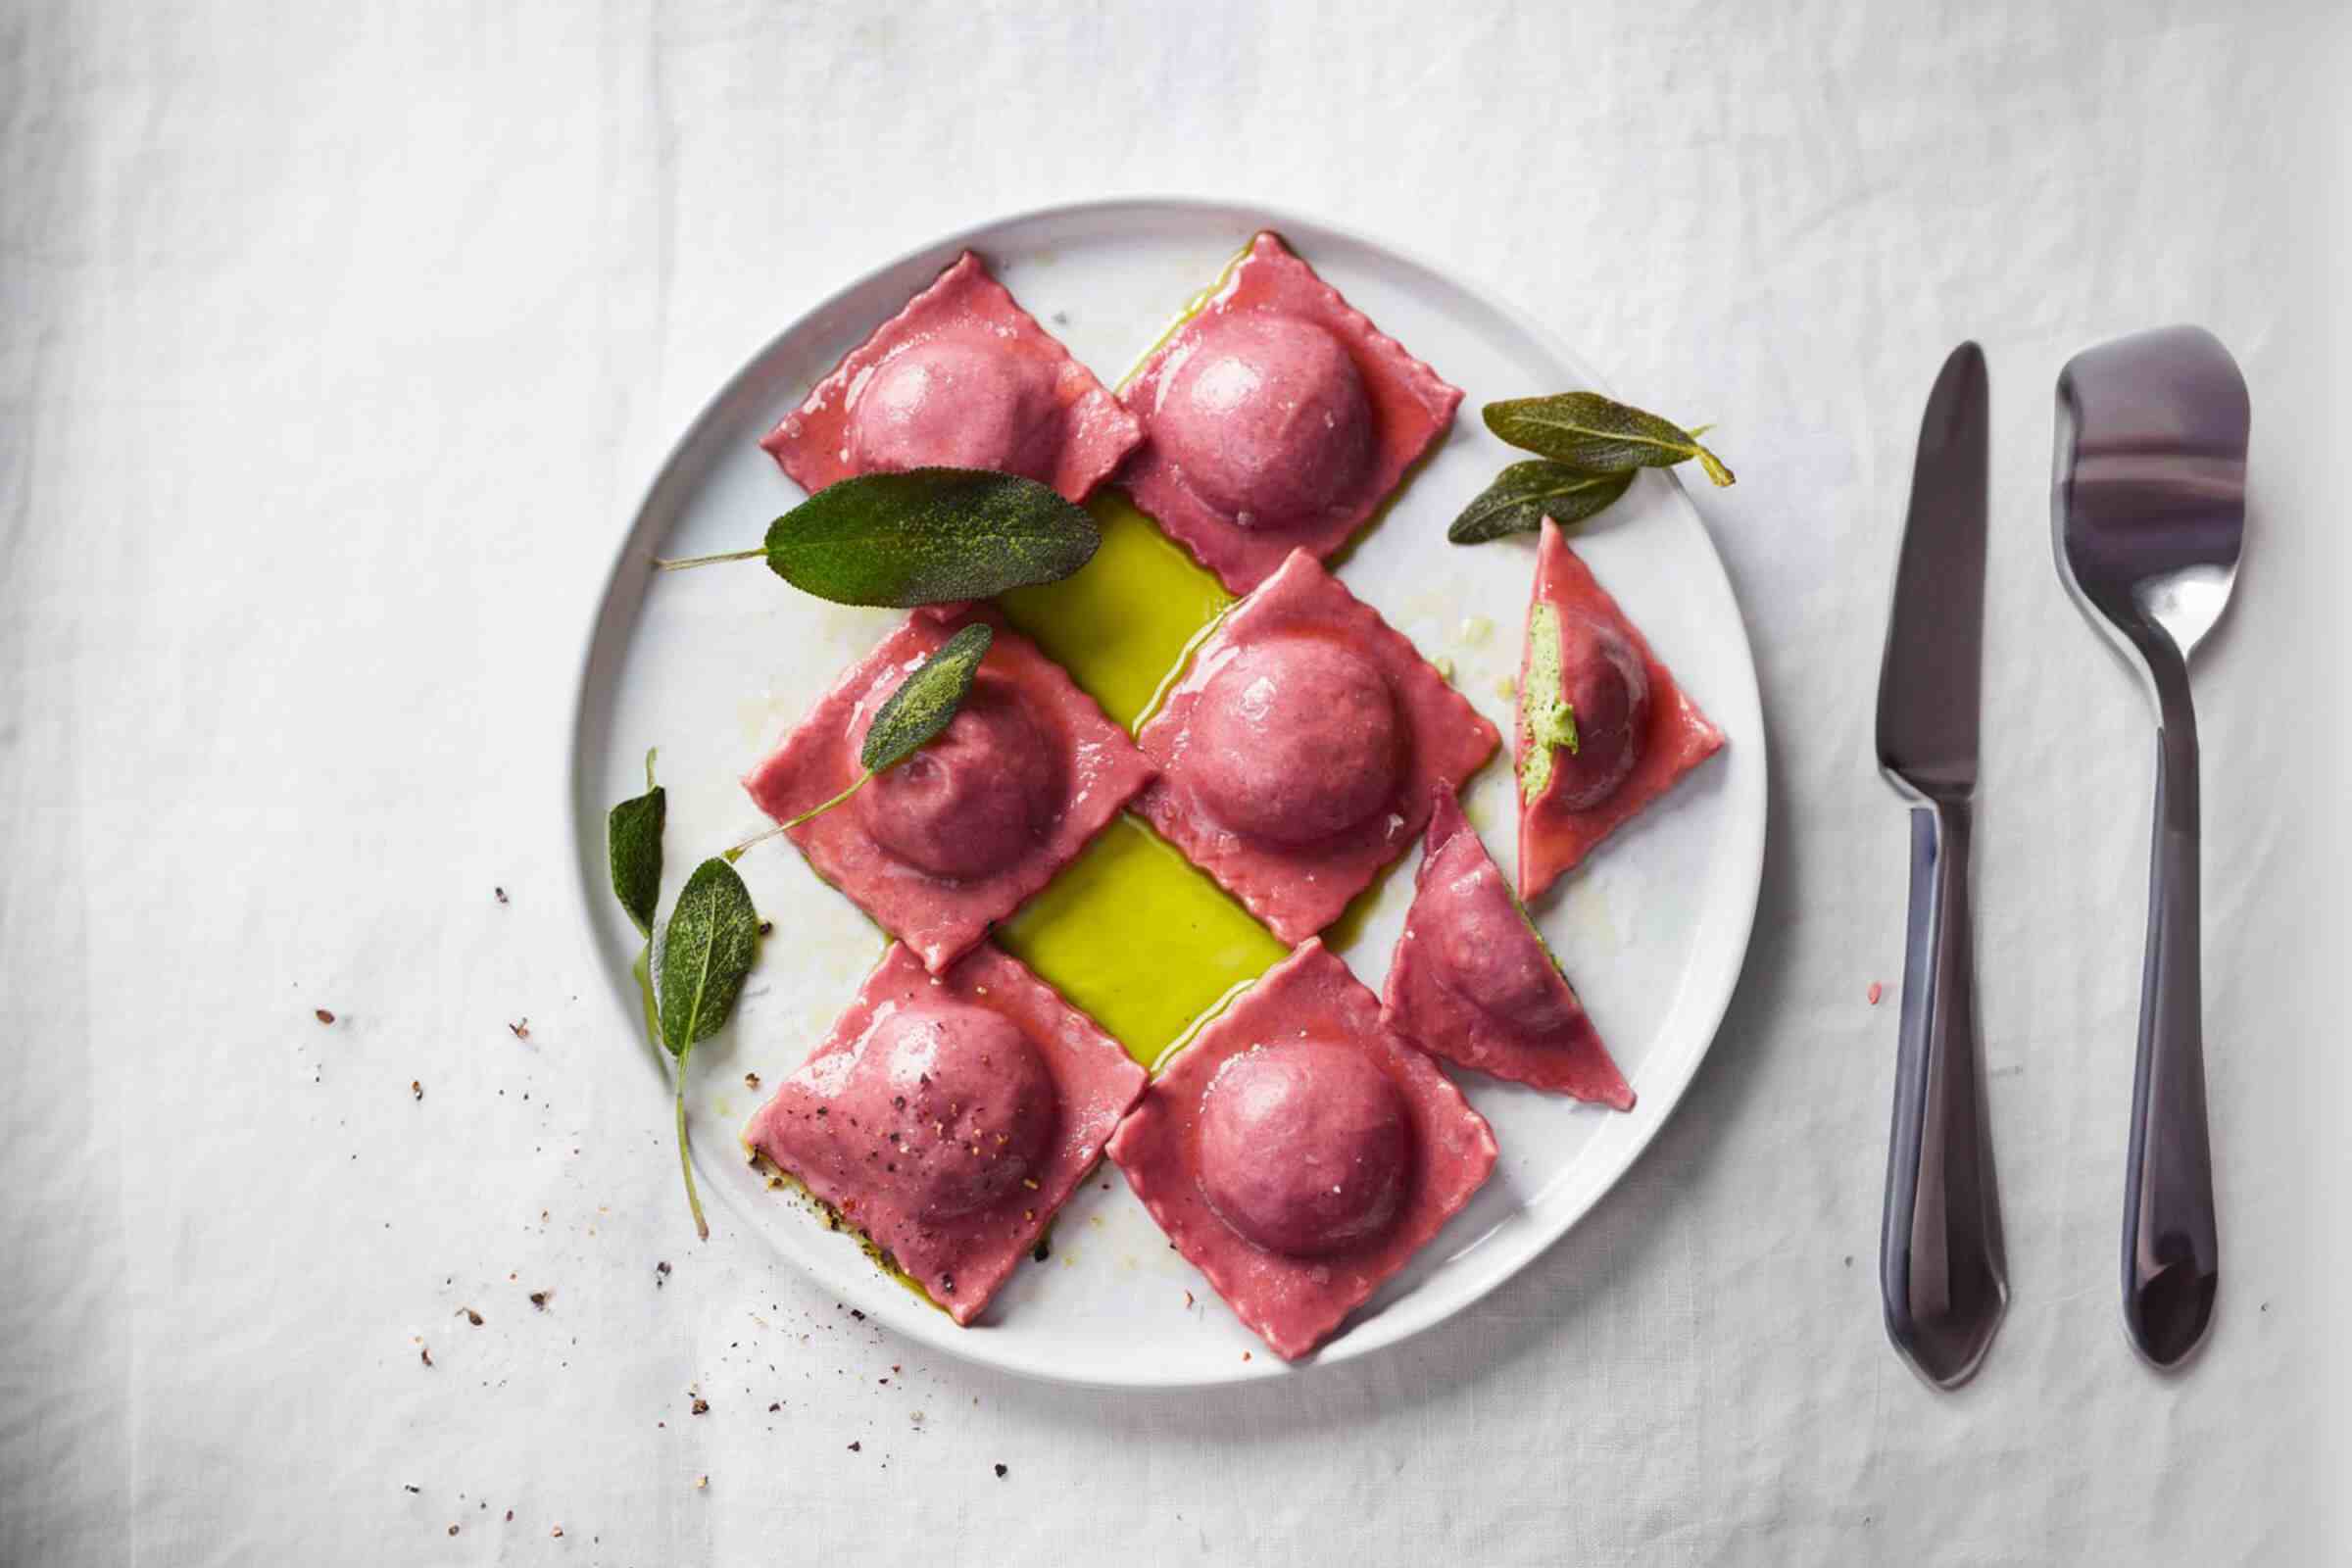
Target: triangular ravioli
[1471,980]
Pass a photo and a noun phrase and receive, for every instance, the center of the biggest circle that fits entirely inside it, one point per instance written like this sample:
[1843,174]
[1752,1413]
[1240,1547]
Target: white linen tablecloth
[338,342]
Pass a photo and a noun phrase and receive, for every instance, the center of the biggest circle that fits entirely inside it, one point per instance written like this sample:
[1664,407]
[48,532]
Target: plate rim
[618,599]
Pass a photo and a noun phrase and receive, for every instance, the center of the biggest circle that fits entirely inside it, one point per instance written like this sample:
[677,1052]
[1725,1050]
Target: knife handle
[2172,1262]
[1941,1268]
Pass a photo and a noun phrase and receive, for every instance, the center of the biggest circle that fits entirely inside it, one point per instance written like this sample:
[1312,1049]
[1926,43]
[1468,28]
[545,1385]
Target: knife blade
[1943,1269]
[1930,676]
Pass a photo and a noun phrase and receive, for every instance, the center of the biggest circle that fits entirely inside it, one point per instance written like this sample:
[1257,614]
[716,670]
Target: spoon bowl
[2149,496]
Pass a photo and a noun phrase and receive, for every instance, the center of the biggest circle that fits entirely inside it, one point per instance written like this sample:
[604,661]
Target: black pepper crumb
[855,1313]
[453,1530]
[751,1080]
[701,1406]
[1000,1472]
[470,1315]
[767,927]
[661,1275]
[1042,1251]
[523,1030]
[856,1447]
[425,1352]
[417,1088]
[539,1298]
[502,897]
[405,1487]
[324,1016]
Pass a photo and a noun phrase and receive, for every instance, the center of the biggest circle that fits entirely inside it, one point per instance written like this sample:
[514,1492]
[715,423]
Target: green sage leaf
[707,949]
[928,536]
[1524,494]
[633,848]
[926,701]
[1598,434]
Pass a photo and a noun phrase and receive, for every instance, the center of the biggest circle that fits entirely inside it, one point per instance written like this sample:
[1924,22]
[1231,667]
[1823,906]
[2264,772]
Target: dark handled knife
[1941,1269]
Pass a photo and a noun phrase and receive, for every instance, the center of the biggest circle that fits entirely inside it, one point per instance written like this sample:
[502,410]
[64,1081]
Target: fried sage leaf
[1524,494]
[926,701]
[705,952]
[633,847]
[707,949]
[633,856]
[1598,434]
[925,536]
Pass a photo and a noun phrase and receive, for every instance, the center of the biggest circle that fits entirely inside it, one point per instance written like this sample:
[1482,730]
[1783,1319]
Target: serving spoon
[2148,510]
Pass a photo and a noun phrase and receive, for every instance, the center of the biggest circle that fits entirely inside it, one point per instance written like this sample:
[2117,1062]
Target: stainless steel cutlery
[2149,516]
[2148,508]
[1942,1274]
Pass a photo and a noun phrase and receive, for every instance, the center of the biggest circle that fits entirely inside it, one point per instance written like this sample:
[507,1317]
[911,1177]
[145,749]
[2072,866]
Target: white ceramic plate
[715,666]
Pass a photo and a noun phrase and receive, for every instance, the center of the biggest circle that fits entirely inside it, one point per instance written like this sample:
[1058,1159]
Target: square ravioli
[962,833]
[1471,980]
[1299,1153]
[962,378]
[1589,669]
[1298,751]
[1277,417]
[949,1116]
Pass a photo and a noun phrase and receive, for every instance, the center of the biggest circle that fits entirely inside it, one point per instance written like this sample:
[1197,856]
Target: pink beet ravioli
[1638,731]
[1277,417]
[1299,1153]
[964,378]
[949,1116]
[1472,982]
[962,833]
[1299,749]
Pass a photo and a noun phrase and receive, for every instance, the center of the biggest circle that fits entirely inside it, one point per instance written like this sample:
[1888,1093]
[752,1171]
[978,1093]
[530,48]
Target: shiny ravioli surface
[947,1117]
[962,378]
[1471,981]
[1276,417]
[1301,748]
[959,835]
[1299,1153]
[1601,654]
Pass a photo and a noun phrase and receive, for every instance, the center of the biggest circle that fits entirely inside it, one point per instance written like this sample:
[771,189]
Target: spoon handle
[1942,1274]
[2171,1263]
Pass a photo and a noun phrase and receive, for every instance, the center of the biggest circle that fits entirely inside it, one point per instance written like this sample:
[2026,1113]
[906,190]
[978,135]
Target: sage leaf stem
[681,562]
[787,826]
[694,1199]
